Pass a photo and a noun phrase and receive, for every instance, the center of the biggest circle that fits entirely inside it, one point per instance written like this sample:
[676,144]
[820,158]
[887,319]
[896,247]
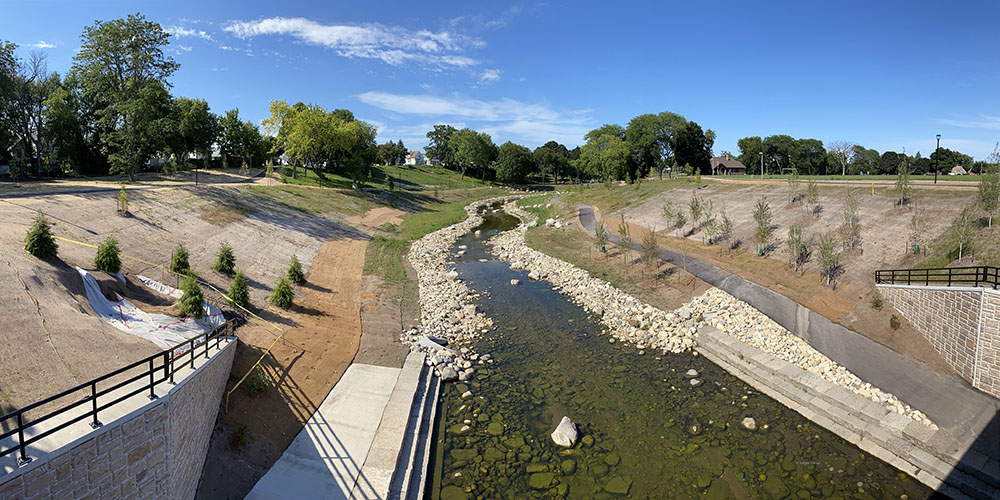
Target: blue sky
[887,75]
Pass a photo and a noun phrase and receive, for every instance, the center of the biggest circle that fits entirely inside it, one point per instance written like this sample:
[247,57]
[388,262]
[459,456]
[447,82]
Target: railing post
[152,385]
[172,369]
[93,402]
[206,346]
[23,459]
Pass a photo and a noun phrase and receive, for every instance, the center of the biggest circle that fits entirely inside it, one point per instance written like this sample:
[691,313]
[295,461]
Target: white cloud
[42,44]
[489,76]
[507,118]
[983,122]
[393,45]
[184,48]
[180,32]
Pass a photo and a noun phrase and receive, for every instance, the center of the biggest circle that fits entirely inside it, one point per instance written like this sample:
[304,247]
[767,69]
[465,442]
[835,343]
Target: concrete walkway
[325,459]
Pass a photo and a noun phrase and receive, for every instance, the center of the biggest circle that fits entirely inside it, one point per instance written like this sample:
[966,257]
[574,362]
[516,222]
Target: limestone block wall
[962,324]
[949,319]
[156,451]
[989,352]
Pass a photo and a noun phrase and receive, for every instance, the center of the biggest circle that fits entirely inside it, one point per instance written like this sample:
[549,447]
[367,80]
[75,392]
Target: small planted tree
[829,259]
[709,226]
[39,241]
[225,261]
[903,186]
[107,258]
[122,201]
[697,210]
[179,260]
[624,239]
[962,229]
[812,195]
[793,185]
[239,290]
[192,301]
[916,227]
[295,273]
[650,248]
[283,296]
[697,176]
[850,227]
[796,247]
[601,238]
[724,233]
[763,231]
[989,192]
[675,216]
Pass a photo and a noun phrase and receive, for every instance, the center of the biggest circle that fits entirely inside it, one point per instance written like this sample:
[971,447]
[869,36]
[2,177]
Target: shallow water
[646,431]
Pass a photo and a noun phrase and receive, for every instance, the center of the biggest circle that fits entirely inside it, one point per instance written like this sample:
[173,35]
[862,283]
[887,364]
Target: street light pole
[935,150]
[761,153]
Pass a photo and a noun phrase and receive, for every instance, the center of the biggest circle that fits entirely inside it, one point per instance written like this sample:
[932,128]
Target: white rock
[749,423]
[515,282]
[565,434]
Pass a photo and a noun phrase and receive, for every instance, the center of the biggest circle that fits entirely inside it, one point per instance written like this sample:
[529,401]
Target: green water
[646,431]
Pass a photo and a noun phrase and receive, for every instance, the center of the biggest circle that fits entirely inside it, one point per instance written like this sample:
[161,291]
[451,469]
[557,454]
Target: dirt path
[302,368]
[377,217]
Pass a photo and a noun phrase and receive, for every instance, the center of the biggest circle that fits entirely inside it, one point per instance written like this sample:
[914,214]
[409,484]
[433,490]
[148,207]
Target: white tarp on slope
[164,331]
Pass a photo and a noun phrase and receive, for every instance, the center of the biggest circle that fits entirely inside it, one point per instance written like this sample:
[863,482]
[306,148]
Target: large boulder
[565,434]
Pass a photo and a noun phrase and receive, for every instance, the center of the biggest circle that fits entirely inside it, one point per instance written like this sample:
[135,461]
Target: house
[958,170]
[415,158]
[727,165]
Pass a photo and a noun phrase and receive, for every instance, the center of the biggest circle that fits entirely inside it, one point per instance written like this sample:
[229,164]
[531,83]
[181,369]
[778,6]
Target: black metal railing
[984,276]
[157,369]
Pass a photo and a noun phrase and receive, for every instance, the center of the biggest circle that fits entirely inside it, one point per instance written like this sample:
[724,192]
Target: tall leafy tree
[693,146]
[551,158]
[652,139]
[122,66]
[889,163]
[605,156]
[750,153]
[944,159]
[514,163]
[440,146]
[195,128]
[28,86]
[471,149]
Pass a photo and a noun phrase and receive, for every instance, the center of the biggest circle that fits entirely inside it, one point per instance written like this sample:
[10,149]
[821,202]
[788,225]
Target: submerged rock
[749,423]
[692,373]
[619,486]
[515,282]
[541,480]
[565,434]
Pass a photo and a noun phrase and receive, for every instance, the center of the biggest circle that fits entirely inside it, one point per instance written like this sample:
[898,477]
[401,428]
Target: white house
[415,158]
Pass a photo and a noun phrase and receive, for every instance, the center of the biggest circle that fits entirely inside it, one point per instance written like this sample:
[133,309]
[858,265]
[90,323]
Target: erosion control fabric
[164,331]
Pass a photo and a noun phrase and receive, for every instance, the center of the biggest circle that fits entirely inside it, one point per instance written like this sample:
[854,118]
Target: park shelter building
[727,165]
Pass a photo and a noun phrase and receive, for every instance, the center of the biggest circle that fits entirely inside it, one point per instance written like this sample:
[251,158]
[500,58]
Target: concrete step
[420,471]
[412,439]
[861,421]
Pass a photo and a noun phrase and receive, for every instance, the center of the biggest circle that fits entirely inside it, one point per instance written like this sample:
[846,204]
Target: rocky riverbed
[446,313]
[630,320]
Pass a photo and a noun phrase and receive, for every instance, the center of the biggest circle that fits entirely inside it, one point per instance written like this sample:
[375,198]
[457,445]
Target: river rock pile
[445,311]
[738,319]
[627,318]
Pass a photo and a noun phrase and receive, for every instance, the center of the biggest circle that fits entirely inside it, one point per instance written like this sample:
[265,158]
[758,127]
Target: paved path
[325,459]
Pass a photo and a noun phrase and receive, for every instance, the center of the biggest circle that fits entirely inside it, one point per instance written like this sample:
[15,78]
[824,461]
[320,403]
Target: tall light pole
[761,153]
[935,150]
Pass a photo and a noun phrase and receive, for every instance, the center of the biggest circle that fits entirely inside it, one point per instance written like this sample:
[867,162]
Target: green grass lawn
[891,177]
[617,197]
[413,177]
[315,201]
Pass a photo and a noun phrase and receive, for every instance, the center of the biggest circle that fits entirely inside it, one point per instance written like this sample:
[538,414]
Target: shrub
[877,301]
[238,438]
[829,259]
[258,382]
[107,258]
[192,301]
[39,241]
[295,271]
[122,201]
[179,260]
[225,262]
[239,291]
[601,237]
[283,295]
[894,322]
[762,216]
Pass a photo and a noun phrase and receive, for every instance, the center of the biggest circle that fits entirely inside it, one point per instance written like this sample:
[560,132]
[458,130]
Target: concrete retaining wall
[963,325]
[155,451]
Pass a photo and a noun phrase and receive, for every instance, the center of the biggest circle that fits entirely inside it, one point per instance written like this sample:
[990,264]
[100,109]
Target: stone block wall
[962,324]
[156,451]
[989,347]
[948,319]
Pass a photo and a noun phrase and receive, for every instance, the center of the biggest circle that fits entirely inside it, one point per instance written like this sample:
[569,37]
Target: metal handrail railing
[164,364]
[976,276]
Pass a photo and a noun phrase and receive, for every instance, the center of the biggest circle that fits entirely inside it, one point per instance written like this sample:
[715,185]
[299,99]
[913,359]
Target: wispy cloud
[42,44]
[508,118]
[180,32]
[393,45]
[489,76]
[983,122]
